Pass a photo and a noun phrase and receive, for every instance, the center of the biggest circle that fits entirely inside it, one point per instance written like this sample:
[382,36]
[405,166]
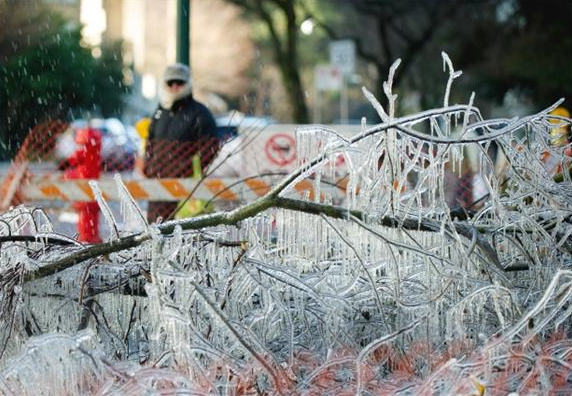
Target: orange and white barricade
[52,187]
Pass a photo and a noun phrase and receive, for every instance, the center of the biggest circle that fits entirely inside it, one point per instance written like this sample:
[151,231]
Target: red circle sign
[280,149]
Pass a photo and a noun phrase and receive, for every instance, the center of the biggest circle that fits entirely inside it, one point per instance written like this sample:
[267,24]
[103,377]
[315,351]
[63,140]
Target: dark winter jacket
[176,135]
[186,121]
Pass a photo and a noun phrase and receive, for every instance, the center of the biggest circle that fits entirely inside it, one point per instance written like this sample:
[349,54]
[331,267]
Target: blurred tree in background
[46,72]
[523,45]
[282,22]
[518,47]
[505,47]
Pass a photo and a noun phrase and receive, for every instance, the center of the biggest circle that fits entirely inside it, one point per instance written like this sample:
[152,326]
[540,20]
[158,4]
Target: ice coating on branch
[452,76]
[375,104]
[388,89]
[404,286]
[105,209]
[129,208]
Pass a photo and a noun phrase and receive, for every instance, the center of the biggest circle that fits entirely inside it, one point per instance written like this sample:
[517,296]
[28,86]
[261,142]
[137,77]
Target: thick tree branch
[248,211]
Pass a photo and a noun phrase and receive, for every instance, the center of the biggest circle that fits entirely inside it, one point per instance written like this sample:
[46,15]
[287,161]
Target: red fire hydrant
[85,163]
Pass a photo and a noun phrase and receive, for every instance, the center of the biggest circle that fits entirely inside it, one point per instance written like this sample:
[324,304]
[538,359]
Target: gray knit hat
[177,71]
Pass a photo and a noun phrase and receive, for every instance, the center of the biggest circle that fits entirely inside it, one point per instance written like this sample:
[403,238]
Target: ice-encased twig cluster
[411,293]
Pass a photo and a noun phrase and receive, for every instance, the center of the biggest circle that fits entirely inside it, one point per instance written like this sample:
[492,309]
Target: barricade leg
[88,223]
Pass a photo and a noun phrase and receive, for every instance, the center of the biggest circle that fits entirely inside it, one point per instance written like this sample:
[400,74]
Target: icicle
[105,209]
[129,207]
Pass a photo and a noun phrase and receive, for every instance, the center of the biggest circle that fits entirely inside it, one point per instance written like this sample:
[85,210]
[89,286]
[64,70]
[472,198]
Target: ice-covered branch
[248,211]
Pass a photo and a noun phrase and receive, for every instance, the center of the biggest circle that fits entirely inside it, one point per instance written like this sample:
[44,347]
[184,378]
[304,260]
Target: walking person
[180,129]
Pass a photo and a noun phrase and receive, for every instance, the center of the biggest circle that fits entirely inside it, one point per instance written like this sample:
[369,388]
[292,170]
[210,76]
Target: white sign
[343,55]
[327,78]
[270,150]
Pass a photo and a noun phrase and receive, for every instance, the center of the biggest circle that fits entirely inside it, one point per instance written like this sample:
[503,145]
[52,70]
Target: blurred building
[147,29]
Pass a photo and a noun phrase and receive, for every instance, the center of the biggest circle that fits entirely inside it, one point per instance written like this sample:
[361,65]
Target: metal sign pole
[344,113]
[183,23]
[317,105]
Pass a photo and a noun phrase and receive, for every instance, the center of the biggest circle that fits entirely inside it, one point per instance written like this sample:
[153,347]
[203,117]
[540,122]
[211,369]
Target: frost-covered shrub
[396,291]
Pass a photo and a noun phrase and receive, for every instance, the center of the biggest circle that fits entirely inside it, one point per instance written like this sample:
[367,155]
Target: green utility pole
[183,22]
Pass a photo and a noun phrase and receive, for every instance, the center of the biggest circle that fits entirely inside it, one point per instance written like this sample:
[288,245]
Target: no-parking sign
[271,150]
[280,149]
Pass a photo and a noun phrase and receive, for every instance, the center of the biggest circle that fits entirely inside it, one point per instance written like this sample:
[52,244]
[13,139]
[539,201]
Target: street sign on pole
[343,55]
[327,78]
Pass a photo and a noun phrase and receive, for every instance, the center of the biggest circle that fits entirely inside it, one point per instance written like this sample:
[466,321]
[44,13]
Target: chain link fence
[45,148]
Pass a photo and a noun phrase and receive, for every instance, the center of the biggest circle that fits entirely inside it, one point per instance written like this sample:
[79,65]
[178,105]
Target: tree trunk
[289,67]
[285,50]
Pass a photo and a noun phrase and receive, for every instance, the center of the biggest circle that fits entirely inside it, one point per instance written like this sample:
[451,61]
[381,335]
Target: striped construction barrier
[51,187]
[33,175]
